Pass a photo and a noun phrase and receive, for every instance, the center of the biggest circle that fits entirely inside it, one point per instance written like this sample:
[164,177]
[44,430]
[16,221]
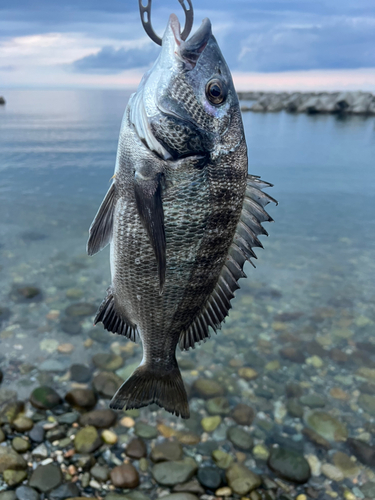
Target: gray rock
[46,477]
[145,431]
[81,398]
[40,451]
[209,477]
[101,419]
[67,490]
[166,451]
[312,401]
[7,495]
[240,438]
[27,493]
[100,472]
[80,373]
[174,472]
[37,434]
[326,426]
[289,464]
[80,309]
[106,384]
[52,365]
[242,480]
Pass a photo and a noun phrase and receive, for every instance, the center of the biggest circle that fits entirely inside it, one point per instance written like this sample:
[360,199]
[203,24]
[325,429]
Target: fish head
[188,98]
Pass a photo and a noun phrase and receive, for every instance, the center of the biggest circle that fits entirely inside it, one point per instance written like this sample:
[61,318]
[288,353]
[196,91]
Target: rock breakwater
[349,103]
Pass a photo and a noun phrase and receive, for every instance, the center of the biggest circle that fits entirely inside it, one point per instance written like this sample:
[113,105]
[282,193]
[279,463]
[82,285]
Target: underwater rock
[145,431]
[326,426]
[218,406]
[107,361]
[10,459]
[242,480]
[27,493]
[87,440]
[80,373]
[136,448]
[25,293]
[289,464]
[81,398]
[209,477]
[166,451]
[45,398]
[174,472]
[240,438]
[207,388]
[101,419]
[106,384]
[125,476]
[46,477]
[243,414]
[80,309]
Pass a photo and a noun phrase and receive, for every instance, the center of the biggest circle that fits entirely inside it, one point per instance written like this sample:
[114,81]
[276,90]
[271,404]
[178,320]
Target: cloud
[111,60]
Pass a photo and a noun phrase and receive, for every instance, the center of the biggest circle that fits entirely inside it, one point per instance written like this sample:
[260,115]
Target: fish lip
[174,23]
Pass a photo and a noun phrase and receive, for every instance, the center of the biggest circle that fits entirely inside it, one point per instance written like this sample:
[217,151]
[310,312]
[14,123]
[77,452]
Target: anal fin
[113,321]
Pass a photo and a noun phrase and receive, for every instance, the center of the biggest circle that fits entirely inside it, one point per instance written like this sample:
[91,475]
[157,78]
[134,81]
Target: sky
[268,44]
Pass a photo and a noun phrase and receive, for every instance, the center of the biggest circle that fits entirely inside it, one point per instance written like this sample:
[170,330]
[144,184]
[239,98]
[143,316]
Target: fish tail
[146,386]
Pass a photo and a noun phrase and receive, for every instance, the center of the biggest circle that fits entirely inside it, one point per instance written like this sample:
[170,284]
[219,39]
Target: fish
[182,215]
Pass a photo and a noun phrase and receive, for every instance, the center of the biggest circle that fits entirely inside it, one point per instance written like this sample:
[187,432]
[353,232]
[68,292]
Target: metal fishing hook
[145,12]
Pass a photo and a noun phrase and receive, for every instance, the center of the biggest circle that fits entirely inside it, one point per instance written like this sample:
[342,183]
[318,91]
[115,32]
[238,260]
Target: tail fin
[146,386]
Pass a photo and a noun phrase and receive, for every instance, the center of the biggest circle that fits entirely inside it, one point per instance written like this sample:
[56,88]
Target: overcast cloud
[69,38]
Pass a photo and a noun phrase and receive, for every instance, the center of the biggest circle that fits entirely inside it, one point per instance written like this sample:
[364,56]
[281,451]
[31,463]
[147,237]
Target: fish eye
[216,91]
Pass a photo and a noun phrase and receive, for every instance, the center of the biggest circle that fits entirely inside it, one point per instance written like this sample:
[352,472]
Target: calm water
[57,155]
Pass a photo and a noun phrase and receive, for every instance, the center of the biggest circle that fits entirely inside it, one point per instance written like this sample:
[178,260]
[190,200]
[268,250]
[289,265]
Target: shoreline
[345,103]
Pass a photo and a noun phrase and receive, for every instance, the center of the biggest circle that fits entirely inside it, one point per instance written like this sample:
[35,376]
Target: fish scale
[182,215]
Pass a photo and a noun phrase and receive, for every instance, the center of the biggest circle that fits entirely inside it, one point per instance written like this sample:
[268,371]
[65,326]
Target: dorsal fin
[248,228]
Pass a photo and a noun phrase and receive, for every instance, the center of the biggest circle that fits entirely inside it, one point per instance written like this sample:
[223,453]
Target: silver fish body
[182,215]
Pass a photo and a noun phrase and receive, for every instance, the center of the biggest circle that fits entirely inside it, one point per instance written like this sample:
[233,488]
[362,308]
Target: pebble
[327,426]
[222,459]
[218,406]
[7,495]
[136,448]
[315,465]
[346,465]
[20,445]
[338,393]
[247,373]
[81,398]
[46,477]
[125,476]
[174,472]
[100,472]
[363,451]
[80,373]
[87,440]
[145,431]
[240,438]
[52,365]
[209,424]
[10,459]
[207,388]
[242,480]
[166,451]
[45,398]
[292,354]
[109,437]
[332,472]
[40,451]
[294,408]
[209,477]
[127,422]
[289,465]
[260,452]
[27,493]
[14,477]
[101,419]
[180,496]
[315,361]
[80,309]
[243,414]
[66,490]
[107,361]
[312,401]
[65,348]
[37,434]
[225,491]
[23,424]
[106,384]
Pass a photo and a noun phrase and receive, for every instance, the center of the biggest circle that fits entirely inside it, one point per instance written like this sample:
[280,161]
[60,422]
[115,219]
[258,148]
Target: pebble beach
[282,399]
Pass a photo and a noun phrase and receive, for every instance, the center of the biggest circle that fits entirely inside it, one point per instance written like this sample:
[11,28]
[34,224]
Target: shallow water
[57,155]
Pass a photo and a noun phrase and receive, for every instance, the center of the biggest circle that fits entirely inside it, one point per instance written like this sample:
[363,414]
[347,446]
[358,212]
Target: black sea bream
[182,215]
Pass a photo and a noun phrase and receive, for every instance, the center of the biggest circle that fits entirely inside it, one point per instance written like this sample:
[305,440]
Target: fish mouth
[189,51]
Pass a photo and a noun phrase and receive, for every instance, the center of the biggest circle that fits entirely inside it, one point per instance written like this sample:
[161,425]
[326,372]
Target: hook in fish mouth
[145,12]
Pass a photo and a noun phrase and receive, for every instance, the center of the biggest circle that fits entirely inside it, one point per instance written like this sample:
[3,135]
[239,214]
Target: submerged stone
[242,480]
[207,388]
[243,414]
[101,419]
[10,459]
[80,309]
[174,472]
[240,438]
[326,426]
[106,384]
[289,464]
[125,476]
[218,406]
[209,477]
[87,440]
[45,398]
[46,477]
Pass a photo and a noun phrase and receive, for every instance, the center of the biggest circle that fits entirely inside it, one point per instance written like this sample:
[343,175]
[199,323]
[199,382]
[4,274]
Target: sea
[305,315]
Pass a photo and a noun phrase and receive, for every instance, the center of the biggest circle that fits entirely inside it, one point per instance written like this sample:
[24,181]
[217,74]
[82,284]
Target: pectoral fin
[102,226]
[147,189]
